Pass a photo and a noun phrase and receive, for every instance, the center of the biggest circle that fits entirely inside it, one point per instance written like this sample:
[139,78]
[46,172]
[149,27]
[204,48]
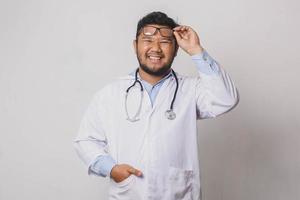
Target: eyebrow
[147,37]
[167,38]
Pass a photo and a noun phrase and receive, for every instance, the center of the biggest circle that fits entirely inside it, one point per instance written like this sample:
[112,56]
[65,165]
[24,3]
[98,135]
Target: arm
[215,91]
[91,143]
[92,147]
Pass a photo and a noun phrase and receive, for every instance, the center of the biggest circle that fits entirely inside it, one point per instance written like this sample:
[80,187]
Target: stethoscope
[170,114]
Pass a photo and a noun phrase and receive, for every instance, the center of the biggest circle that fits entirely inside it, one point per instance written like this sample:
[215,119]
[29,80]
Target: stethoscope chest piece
[170,114]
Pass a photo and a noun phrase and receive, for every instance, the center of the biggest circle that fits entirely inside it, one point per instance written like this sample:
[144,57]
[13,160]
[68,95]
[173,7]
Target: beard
[159,72]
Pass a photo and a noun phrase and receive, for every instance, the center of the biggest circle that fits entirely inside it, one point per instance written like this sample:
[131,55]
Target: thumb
[135,171]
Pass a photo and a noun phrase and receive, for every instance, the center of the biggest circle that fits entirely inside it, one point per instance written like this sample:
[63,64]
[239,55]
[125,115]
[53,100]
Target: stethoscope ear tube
[136,81]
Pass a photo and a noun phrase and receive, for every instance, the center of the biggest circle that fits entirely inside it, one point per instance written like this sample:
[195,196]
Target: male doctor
[141,130]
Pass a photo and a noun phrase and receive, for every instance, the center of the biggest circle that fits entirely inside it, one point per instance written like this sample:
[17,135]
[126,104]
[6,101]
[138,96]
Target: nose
[156,46]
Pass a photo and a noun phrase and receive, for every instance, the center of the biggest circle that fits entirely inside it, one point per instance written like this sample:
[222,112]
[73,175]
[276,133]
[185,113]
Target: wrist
[196,50]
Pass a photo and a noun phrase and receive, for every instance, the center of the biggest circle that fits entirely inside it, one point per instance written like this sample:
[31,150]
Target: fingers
[182,32]
[135,171]
[182,28]
[177,36]
[177,28]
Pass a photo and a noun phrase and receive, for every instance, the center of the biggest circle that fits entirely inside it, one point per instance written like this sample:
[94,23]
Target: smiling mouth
[154,59]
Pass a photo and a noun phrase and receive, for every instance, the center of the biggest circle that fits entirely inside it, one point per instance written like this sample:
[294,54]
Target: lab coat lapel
[164,93]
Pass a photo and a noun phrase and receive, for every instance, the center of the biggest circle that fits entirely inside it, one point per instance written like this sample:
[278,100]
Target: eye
[147,40]
[165,41]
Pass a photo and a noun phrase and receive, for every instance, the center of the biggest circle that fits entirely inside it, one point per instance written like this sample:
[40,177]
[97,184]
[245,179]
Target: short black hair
[156,17]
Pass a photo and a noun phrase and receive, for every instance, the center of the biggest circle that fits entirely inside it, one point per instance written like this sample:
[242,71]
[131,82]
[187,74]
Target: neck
[151,78]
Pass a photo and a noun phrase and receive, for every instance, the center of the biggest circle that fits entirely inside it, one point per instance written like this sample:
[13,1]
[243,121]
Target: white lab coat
[164,150]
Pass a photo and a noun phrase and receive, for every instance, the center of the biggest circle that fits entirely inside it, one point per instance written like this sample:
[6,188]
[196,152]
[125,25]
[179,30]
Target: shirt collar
[160,81]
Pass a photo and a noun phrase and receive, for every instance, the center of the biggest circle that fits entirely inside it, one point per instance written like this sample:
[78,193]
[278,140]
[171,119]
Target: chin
[155,71]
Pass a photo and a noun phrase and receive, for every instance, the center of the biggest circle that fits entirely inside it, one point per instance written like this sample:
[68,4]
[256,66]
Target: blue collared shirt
[152,90]
[103,165]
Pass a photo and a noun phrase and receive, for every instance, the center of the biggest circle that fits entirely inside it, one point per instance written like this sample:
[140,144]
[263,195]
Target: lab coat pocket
[121,190]
[123,183]
[180,184]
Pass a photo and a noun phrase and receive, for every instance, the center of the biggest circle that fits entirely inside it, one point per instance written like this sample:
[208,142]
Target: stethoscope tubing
[170,113]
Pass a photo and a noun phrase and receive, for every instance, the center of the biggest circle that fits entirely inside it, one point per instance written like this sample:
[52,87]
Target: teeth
[154,58]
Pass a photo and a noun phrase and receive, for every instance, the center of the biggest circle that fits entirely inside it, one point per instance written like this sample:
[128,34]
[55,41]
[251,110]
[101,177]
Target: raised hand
[188,40]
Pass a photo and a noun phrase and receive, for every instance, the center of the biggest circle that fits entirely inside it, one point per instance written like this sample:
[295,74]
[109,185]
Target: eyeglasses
[151,30]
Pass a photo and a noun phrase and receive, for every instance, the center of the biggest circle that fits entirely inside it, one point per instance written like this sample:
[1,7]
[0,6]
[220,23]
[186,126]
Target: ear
[134,42]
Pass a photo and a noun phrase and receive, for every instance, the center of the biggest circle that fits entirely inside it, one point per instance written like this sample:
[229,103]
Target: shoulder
[186,79]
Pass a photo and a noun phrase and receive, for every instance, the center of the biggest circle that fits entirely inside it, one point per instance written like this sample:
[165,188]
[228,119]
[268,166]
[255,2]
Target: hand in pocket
[122,171]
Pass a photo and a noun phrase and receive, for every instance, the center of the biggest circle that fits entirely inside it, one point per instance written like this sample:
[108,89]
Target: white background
[54,55]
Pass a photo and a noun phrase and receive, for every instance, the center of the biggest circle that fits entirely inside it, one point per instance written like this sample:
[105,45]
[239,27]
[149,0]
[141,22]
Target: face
[155,53]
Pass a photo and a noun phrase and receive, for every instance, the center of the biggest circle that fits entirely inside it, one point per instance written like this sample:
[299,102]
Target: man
[141,130]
